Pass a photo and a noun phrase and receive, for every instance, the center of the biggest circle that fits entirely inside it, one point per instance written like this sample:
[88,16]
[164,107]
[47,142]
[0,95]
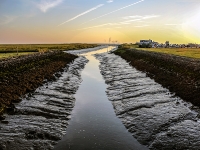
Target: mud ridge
[24,74]
[42,116]
[180,75]
[159,119]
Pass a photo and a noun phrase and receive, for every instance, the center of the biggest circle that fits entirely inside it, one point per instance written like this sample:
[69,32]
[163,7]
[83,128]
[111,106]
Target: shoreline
[24,74]
[152,114]
[41,118]
[178,74]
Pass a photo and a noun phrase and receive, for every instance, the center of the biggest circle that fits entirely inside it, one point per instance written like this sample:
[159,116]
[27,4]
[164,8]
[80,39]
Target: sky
[97,21]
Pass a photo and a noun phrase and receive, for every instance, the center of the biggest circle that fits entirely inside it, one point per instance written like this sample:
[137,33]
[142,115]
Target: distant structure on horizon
[152,44]
[167,43]
[142,42]
[146,43]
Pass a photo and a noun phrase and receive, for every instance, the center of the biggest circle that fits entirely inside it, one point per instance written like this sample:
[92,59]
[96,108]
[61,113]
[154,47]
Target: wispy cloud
[132,17]
[82,14]
[44,5]
[173,24]
[102,25]
[142,26]
[138,18]
[115,10]
[106,24]
[110,1]
[4,19]
[189,1]
[128,20]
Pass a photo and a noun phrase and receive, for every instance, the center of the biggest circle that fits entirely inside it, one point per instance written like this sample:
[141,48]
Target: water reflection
[93,124]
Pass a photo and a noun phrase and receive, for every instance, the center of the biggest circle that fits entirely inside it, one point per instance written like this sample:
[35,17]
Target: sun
[192,26]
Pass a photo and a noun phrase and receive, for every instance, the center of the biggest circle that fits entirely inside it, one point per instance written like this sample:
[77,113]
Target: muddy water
[93,124]
[153,115]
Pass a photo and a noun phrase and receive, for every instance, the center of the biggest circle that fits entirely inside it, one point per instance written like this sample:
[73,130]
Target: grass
[10,50]
[6,48]
[7,55]
[186,52]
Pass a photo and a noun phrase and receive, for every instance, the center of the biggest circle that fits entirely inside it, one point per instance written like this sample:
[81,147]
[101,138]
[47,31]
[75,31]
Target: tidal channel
[94,124]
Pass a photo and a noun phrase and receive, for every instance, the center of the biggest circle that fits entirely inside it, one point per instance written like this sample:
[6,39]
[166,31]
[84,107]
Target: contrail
[115,11]
[82,14]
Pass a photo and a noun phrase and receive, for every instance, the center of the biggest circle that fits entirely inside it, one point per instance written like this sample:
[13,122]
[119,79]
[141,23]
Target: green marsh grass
[186,52]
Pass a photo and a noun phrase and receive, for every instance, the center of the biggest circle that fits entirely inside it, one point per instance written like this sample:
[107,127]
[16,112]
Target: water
[93,124]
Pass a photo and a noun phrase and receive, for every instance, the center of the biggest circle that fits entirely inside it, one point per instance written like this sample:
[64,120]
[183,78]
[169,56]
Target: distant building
[145,42]
[167,43]
[192,45]
[152,44]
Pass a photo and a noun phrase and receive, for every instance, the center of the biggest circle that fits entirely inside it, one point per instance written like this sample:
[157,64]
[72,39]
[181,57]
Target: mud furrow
[150,112]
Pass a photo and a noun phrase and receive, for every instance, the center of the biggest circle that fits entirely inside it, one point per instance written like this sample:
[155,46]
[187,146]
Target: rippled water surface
[94,124]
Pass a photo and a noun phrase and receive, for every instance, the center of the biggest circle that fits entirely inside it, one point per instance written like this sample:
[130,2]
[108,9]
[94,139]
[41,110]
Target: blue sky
[65,21]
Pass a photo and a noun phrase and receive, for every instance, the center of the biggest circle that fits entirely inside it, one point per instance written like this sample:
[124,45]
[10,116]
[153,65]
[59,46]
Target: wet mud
[24,74]
[154,116]
[180,75]
[41,118]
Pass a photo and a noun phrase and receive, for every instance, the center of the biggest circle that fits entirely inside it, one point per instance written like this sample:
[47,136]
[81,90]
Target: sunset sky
[95,21]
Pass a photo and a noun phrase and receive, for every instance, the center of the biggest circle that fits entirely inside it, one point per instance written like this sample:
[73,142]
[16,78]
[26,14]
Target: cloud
[173,24]
[102,25]
[96,26]
[109,1]
[82,14]
[190,1]
[115,10]
[44,5]
[141,17]
[128,20]
[142,26]
[4,19]
[138,18]
[132,17]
